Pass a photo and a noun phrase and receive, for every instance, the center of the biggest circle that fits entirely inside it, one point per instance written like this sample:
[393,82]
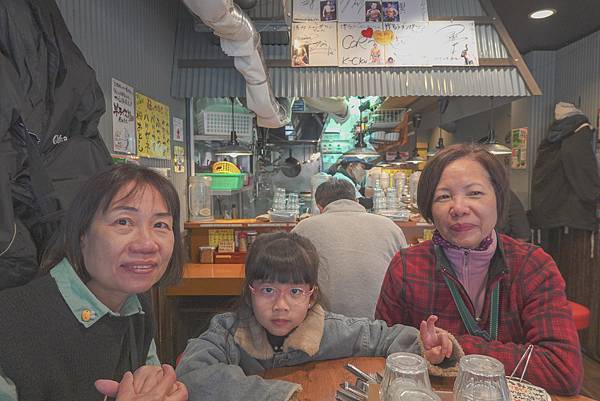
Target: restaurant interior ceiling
[573,21]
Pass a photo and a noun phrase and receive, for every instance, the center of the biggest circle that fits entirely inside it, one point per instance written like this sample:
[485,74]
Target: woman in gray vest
[83,319]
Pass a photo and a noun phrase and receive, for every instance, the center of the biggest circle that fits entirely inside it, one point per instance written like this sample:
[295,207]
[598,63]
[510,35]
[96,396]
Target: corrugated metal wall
[570,74]
[578,74]
[454,8]
[134,42]
[269,9]
[543,67]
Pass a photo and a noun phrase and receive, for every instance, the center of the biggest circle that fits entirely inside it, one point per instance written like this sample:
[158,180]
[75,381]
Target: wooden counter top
[249,223]
[234,223]
[209,279]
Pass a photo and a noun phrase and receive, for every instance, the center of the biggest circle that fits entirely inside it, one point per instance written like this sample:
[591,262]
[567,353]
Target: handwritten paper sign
[123,116]
[519,148]
[314,44]
[351,10]
[453,43]
[306,10]
[179,159]
[407,45]
[153,128]
[361,45]
[408,11]
[177,129]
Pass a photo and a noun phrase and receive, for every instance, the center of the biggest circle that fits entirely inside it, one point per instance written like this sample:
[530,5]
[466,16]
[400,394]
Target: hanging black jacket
[50,105]
[565,183]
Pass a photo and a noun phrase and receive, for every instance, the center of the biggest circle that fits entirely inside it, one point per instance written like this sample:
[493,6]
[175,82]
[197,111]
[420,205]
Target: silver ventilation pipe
[241,40]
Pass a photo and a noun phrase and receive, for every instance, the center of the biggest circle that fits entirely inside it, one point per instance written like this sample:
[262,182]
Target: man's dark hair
[333,190]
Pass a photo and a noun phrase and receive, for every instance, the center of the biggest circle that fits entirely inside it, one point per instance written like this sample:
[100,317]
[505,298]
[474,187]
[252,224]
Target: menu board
[453,43]
[361,45]
[153,128]
[314,44]
[407,45]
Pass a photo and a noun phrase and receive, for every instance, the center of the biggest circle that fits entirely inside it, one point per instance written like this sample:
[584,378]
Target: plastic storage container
[200,198]
[225,182]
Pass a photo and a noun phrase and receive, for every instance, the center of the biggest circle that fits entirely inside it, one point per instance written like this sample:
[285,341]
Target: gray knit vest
[51,356]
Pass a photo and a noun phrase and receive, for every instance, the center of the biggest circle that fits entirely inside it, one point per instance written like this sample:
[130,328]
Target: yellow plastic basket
[225,167]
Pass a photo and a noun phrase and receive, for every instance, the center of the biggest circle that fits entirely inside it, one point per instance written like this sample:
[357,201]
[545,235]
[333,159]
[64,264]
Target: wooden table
[206,281]
[209,279]
[320,380]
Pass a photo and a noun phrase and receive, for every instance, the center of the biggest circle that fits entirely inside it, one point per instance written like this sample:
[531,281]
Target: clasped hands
[148,383]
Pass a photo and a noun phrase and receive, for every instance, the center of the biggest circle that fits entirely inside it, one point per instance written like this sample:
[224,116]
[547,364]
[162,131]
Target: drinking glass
[480,378]
[392,199]
[403,370]
[408,393]
[293,201]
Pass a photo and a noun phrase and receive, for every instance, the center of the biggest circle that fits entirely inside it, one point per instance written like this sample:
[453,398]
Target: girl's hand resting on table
[148,383]
[436,342]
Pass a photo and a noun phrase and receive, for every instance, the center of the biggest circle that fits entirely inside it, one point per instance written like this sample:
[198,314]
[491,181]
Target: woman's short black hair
[430,177]
[280,257]
[96,195]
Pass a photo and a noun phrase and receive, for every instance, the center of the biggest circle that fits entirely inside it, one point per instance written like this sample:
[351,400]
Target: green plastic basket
[225,182]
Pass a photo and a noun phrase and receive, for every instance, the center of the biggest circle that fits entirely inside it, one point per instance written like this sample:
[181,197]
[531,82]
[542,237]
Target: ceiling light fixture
[543,13]
[233,148]
[360,149]
[490,143]
[442,106]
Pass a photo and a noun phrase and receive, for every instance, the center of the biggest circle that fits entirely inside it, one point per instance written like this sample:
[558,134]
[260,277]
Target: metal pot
[291,166]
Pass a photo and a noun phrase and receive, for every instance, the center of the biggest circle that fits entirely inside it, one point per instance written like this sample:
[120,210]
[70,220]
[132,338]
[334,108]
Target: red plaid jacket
[533,309]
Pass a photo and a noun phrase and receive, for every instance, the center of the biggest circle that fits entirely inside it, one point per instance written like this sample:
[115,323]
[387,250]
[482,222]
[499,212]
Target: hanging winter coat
[50,105]
[565,182]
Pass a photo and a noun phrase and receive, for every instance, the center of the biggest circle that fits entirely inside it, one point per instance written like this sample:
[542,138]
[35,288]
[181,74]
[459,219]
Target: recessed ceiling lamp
[543,13]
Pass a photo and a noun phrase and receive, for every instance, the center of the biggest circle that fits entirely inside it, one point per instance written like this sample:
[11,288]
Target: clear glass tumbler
[403,370]
[403,393]
[480,378]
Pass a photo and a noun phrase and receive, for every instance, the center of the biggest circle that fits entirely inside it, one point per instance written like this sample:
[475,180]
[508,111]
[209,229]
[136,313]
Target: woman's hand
[436,342]
[149,383]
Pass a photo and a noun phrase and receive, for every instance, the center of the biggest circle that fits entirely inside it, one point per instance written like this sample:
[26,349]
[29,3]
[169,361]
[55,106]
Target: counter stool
[581,315]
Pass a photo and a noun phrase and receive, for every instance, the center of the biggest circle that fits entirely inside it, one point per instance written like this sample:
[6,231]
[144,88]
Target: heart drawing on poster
[383,37]
[367,33]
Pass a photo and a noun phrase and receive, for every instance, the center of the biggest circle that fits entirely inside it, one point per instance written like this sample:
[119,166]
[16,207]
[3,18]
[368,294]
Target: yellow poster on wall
[153,128]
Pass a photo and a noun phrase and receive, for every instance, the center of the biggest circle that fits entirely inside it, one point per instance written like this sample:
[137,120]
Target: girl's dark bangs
[279,267]
[284,272]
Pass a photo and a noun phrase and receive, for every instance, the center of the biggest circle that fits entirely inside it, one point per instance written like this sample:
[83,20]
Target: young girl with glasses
[280,323]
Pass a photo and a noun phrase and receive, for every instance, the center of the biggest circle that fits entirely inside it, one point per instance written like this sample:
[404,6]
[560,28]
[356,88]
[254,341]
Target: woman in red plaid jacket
[497,295]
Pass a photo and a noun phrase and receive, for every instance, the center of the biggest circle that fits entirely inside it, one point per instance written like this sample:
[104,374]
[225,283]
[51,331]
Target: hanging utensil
[291,166]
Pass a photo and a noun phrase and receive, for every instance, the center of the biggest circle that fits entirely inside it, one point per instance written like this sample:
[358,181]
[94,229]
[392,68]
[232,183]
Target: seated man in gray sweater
[355,248]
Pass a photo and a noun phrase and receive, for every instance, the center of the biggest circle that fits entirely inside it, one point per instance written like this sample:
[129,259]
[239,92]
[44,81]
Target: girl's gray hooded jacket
[223,363]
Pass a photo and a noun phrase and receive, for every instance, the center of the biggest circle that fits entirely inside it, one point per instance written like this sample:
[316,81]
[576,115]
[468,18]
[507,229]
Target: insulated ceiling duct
[240,40]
